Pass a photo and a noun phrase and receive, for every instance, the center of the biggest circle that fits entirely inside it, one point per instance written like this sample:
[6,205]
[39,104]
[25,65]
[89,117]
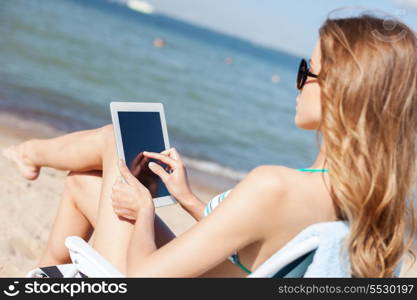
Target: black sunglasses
[303,73]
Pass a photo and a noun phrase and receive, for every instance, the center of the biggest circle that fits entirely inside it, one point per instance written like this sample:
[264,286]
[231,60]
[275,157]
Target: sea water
[229,104]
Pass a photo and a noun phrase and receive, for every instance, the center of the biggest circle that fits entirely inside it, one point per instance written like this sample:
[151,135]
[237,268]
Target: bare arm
[228,228]
[193,206]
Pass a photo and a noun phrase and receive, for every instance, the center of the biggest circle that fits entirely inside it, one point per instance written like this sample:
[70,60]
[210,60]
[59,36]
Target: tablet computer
[142,127]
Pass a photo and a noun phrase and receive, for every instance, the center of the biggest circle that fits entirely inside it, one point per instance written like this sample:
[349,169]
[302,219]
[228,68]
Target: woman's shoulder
[265,184]
[287,184]
[275,177]
[271,182]
[301,192]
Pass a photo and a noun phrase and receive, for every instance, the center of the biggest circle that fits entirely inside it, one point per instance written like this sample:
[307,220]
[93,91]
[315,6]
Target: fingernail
[151,164]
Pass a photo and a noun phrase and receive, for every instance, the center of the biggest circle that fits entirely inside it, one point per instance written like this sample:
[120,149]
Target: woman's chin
[302,124]
[298,122]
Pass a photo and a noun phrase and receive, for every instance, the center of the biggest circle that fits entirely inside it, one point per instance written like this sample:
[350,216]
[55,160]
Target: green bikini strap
[313,170]
[243,267]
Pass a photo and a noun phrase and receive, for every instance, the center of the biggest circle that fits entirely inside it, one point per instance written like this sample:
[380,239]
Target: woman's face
[308,109]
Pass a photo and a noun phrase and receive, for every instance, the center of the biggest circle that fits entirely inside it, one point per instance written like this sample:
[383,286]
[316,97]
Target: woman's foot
[18,155]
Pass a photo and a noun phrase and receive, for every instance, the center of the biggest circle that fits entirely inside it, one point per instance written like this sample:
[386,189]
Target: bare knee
[107,133]
[109,143]
[107,128]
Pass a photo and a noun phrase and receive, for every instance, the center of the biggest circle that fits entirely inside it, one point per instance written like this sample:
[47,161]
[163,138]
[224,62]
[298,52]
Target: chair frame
[88,261]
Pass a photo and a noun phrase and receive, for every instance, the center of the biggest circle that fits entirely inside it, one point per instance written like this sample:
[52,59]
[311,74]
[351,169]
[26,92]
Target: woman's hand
[130,196]
[176,179]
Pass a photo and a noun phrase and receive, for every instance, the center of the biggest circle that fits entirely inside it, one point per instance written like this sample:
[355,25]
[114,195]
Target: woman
[360,93]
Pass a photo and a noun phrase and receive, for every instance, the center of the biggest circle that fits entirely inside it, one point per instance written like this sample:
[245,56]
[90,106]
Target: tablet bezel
[115,107]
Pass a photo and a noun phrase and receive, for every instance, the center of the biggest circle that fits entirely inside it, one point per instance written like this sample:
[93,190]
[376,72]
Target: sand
[27,208]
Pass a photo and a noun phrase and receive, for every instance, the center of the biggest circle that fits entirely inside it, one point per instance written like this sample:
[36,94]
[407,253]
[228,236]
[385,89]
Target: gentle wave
[213,168]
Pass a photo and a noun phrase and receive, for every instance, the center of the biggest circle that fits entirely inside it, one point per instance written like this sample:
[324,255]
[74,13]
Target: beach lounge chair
[315,252]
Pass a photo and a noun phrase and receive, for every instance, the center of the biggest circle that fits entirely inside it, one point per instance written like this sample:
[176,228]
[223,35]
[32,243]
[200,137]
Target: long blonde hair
[368,82]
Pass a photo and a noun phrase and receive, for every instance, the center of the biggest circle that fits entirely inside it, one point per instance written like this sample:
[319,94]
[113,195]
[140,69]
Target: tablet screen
[142,131]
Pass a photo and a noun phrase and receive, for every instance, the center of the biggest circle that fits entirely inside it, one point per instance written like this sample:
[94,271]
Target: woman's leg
[76,151]
[80,151]
[112,235]
[77,215]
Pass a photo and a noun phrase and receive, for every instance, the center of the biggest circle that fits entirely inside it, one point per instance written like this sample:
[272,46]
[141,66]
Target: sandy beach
[27,208]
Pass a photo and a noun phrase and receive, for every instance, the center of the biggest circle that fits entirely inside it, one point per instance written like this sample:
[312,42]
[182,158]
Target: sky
[289,25]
